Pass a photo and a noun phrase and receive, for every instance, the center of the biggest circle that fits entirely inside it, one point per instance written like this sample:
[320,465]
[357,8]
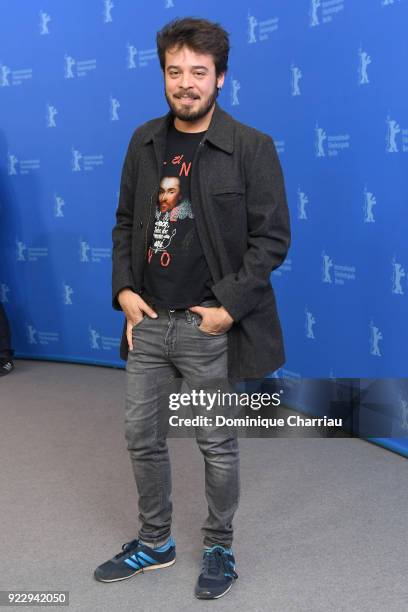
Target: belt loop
[188,315]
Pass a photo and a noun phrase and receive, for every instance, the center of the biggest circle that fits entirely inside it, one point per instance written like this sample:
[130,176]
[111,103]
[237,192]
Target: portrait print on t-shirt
[171,209]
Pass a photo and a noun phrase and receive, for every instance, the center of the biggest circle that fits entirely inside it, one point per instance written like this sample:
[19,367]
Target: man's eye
[200,73]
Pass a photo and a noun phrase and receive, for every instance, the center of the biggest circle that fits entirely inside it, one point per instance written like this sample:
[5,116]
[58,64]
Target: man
[195,290]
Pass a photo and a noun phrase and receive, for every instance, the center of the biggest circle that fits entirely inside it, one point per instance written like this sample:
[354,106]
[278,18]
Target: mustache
[186,93]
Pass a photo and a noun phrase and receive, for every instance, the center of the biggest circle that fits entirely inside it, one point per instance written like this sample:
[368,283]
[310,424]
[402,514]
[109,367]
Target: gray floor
[322,523]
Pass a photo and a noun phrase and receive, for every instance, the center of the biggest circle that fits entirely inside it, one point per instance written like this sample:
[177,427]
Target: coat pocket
[227,193]
[229,221]
[229,208]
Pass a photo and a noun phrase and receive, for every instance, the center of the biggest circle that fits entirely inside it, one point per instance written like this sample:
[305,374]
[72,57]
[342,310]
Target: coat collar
[219,132]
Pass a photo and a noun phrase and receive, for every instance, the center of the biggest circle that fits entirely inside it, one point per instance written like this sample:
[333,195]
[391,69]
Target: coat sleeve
[122,232]
[268,234]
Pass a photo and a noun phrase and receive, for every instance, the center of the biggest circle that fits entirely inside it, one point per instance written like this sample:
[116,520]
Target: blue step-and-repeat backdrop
[326,79]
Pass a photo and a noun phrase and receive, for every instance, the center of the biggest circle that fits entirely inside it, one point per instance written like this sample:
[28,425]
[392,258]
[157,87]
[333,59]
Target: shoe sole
[5,372]
[145,569]
[216,596]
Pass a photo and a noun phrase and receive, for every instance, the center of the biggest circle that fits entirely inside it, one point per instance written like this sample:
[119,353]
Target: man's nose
[186,82]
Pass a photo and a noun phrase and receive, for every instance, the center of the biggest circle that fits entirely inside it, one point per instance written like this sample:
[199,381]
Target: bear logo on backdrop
[364,62]
[296,76]
[44,21]
[391,142]
[310,321]
[302,201]
[107,11]
[51,114]
[114,106]
[235,87]
[398,273]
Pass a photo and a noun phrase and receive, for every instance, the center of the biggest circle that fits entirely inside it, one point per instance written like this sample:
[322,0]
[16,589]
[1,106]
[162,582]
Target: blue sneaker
[217,574]
[135,558]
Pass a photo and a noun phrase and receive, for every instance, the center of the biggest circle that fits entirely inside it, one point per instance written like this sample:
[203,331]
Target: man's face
[190,83]
[169,193]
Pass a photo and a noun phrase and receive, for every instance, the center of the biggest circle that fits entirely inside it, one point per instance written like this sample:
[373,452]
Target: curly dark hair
[200,35]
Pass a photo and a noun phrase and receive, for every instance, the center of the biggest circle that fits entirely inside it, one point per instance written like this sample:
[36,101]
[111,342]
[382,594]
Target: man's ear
[220,80]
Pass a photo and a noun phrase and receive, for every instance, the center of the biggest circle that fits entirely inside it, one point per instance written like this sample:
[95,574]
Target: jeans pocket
[197,320]
[137,325]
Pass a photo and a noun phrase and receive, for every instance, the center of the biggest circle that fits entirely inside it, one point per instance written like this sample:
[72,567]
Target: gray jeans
[167,352]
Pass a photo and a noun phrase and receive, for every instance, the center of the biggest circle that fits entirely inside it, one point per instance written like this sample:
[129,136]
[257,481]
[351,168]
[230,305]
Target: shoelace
[125,550]
[213,559]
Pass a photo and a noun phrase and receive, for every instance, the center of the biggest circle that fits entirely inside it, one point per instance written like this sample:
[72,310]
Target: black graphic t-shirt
[176,274]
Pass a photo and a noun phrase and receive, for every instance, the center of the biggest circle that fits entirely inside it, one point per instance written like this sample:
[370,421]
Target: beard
[188,114]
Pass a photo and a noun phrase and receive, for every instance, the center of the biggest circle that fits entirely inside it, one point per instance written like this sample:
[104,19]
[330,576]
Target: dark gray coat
[239,203]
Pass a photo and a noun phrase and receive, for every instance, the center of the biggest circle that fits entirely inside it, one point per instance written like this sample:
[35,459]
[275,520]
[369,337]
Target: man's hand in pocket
[134,308]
